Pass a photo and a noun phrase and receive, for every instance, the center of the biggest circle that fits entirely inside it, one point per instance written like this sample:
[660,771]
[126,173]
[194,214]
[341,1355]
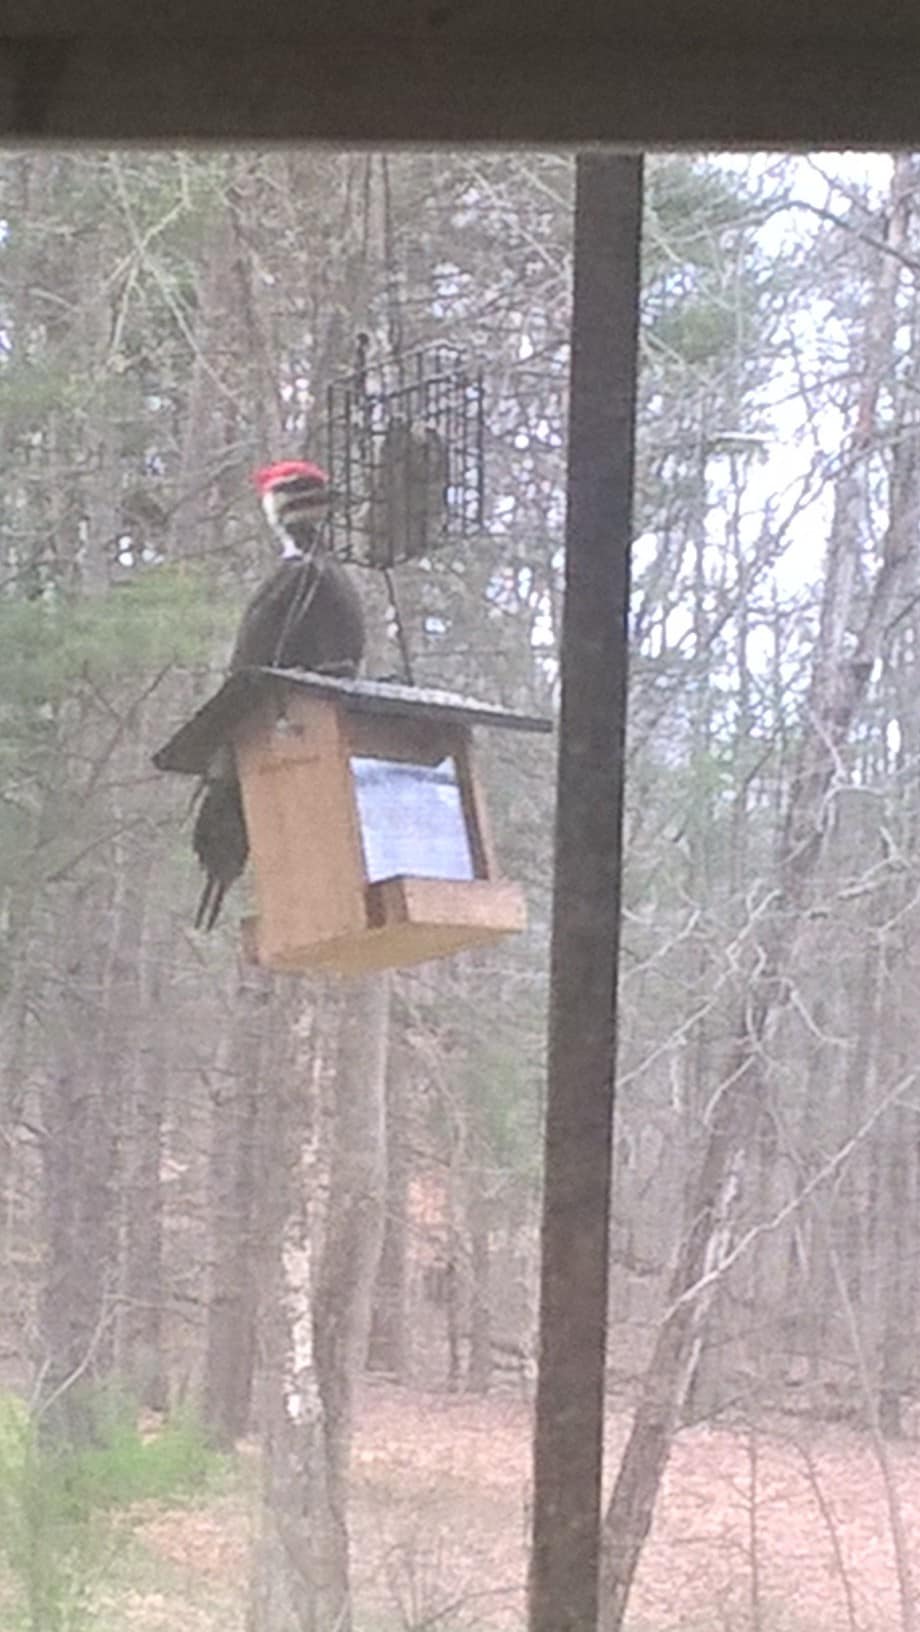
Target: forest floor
[440,1526]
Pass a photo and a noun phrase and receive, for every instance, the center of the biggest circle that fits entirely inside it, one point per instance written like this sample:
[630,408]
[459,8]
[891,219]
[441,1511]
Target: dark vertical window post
[568,1442]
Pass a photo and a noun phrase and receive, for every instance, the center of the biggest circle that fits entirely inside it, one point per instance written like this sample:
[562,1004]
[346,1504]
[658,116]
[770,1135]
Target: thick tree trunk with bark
[479,1371]
[299,1581]
[80,1124]
[143,1366]
[140,1357]
[353,1226]
[388,1341]
[454,1281]
[239,1087]
[317,1314]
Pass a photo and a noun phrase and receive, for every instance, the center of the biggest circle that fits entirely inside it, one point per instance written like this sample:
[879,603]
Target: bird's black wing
[307,615]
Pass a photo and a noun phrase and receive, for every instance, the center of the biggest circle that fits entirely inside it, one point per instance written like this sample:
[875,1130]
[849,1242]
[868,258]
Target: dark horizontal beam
[351,87]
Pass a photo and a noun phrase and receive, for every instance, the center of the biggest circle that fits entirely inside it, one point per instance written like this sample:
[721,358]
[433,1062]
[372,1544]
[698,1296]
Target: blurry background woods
[166,323]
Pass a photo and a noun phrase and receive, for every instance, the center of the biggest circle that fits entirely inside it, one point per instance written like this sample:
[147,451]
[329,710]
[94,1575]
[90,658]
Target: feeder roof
[191,750]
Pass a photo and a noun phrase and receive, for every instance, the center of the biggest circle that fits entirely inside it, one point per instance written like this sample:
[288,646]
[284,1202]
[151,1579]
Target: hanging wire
[401,637]
[395,343]
[391,269]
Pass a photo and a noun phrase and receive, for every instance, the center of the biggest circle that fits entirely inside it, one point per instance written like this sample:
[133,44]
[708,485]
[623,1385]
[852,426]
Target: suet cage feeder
[368,833]
[404,447]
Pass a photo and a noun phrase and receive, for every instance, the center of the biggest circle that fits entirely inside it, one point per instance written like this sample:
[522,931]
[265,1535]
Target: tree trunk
[453,1292]
[299,1581]
[239,1086]
[80,1130]
[144,1366]
[141,1362]
[353,1229]
[897,1335]
[479,1373]
[196,526]
[387,1344]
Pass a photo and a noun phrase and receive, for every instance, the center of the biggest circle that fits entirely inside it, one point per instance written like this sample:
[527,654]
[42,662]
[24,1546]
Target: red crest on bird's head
[287,470]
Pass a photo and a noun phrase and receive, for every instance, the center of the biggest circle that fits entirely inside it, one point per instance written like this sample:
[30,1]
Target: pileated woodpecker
[307,615]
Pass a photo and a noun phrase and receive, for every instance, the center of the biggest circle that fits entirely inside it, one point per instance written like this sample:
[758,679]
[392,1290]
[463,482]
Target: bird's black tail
[221,844]
[209,903]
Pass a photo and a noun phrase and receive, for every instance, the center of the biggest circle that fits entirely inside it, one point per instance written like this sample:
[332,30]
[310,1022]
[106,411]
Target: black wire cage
[404,450]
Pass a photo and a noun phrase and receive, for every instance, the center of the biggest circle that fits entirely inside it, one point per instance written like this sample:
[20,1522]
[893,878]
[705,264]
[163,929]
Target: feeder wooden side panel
[303,834]
[485,861]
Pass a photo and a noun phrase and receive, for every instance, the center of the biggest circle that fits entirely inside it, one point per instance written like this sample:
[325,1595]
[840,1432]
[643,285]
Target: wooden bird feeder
[368,834]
